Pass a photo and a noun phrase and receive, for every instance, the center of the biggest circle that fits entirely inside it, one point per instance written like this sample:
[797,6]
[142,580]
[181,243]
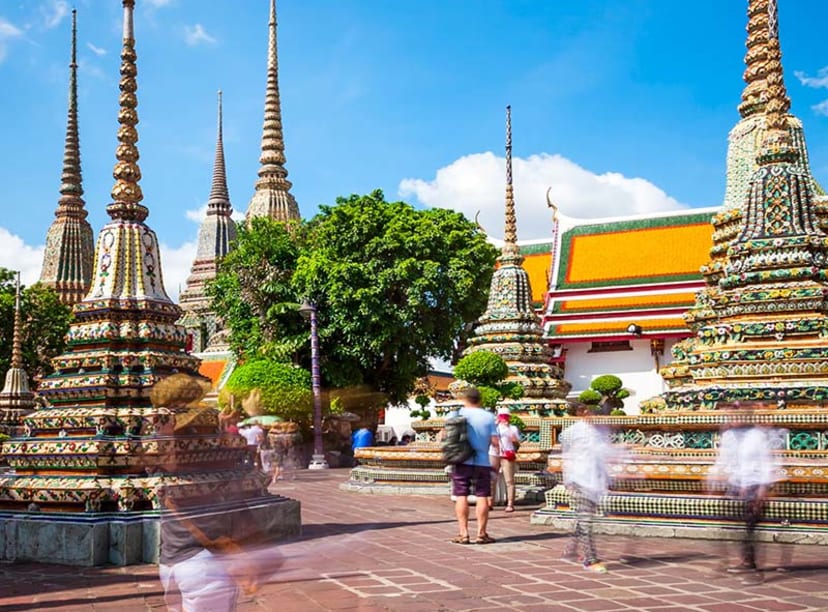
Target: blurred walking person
[586,453]
[746,467]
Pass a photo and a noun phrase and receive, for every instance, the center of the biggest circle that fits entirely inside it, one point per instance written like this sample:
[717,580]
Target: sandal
[485,539]
[509,509]
[461,539]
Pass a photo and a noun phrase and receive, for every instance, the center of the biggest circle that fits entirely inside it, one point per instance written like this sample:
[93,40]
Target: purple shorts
[462,476]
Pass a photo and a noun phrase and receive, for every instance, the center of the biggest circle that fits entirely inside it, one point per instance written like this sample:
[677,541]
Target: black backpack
[456,446]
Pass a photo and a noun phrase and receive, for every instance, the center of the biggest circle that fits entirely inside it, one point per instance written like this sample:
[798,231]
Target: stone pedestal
[124,538]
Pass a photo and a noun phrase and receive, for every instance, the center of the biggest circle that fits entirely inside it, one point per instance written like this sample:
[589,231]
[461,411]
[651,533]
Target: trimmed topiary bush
[481,368]
[591,397]
[607,392]
[285,389]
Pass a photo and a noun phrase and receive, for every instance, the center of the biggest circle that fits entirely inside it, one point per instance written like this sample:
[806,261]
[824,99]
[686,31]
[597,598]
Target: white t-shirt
[252,434]
[745,458]
[507,434]
[586,453]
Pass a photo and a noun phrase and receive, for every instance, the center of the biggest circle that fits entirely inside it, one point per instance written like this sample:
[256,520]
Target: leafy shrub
[481,368]
[517,422]
[422,400]
[590,397]
[489,396]
[285,389]
[618,412]
[607,384]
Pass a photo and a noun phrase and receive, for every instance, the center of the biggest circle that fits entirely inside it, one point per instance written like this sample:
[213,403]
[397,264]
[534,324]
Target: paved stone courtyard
[373,552]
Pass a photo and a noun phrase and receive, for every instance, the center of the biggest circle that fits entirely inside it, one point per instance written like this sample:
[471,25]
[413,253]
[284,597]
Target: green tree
[394,286]
[253,294]
[45,322]
[285,389]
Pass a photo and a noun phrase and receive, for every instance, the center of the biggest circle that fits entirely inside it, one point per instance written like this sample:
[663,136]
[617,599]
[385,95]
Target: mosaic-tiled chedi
[511,328]
[16,400]
[744,142]
[761,330]
[272,197]
[102,444]
[67,258]
[217,231]
[763,341]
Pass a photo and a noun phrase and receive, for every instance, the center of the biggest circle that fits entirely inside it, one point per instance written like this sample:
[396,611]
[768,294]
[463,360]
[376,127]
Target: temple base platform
[530,486]
[126,538]
[785,520]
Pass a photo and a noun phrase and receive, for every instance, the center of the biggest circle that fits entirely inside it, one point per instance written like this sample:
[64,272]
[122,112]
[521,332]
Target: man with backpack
[466,440]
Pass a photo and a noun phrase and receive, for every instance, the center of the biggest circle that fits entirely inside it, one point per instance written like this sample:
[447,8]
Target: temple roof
[640,269]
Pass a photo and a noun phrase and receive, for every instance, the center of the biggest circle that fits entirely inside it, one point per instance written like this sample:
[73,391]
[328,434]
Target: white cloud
[54,12]
[820,81]
[197,214]
[196,35]
[96,50]
[8,31]
[821,108]
[15,254]
[476,183]
[175,265]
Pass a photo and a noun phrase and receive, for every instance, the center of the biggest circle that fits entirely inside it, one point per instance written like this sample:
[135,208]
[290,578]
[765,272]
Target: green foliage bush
[607,384]
[510,390]
[285,389]
[517,422]
[422,400]
[590,397]
[618,412]
[489,396]
[482,368]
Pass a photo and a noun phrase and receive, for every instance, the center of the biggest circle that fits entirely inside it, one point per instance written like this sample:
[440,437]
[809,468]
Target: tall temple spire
[753,99]
[67,259]
[217,232]
[272,197]
[777,144]
[510,234]
[15,399]
[126,193]
[510,326]
[219,196]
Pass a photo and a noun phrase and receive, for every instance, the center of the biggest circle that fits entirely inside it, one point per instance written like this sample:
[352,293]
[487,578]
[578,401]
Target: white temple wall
[636,368]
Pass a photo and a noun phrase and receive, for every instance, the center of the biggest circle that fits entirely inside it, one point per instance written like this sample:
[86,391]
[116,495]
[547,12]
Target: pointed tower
[67,260]
[105,444]
[272,197]
[217,231]
[16,401]
[764,324]
[510,327]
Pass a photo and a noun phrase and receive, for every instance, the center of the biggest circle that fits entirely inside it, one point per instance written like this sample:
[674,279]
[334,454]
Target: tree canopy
[285,390]
[394,286]
[45,322]
[253,294]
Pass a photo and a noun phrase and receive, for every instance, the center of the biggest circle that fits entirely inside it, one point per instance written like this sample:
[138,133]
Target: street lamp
[308,311]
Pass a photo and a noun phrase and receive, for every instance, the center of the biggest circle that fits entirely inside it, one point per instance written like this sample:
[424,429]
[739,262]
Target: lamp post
[308,311]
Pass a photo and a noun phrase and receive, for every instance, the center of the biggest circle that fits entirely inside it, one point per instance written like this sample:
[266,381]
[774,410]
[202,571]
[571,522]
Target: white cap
[504,411]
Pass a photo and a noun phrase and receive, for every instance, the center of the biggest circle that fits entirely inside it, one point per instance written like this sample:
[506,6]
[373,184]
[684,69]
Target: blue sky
[406,95]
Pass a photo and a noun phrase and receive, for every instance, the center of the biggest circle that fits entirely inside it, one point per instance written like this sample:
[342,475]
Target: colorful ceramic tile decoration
[101,444]
[759,333]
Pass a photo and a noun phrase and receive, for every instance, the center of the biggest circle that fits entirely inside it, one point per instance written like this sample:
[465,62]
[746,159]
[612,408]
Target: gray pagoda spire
[272,197]
[510,327]
[16,400]
[67,260]
[217,232]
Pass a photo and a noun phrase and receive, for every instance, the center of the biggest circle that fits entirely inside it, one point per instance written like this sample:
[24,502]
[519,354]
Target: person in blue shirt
[362,438]
[476,472]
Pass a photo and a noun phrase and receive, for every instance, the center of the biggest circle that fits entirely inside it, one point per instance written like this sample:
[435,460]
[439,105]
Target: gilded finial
[777,145]
[219,201]
[71,187]
[510,234]
[273,142]
[17,340]
[126,193]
